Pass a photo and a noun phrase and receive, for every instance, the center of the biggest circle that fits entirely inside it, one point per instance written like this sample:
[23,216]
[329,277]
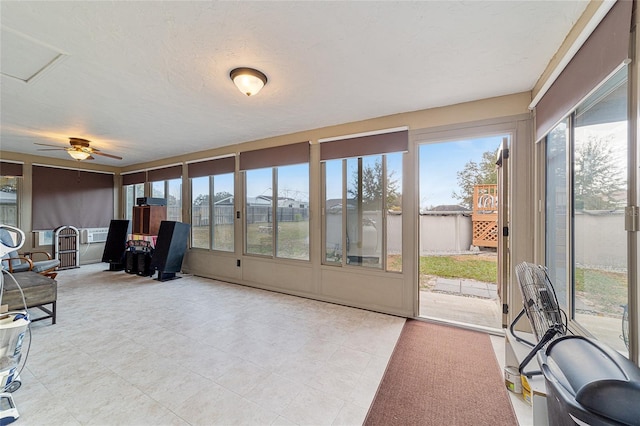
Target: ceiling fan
[79,150]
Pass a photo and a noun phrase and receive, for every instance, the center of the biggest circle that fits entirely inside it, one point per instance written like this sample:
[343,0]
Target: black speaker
[116,244]
[130,262]
[171,246]
[143,260]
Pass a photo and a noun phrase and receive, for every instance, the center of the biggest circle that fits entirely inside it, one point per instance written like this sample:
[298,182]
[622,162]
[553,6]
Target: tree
[201,200]
[483,173]
[599,181]
[221,196]
[372,181]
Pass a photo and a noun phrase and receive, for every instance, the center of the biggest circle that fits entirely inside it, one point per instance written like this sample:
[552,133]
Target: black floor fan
[541,308]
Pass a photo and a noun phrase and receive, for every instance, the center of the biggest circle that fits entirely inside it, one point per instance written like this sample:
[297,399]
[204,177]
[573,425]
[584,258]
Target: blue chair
[15,262]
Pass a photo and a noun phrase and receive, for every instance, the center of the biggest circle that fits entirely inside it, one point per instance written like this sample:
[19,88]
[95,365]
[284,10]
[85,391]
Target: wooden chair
[15,262]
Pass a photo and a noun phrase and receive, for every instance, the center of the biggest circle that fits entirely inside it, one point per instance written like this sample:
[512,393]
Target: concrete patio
[476,303]
[463,287]
[463,301]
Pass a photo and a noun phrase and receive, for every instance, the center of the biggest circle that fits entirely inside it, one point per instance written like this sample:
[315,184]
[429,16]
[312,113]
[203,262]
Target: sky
[440,162]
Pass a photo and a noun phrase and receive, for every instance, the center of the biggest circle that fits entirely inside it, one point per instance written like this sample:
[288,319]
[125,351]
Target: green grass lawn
[293,239]
[223,237]
[460,266]
[602,291]
[200,236]
[394,263]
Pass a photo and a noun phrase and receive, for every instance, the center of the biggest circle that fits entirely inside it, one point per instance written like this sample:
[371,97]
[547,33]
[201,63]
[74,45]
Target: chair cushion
[45,265]
[20,267]
[7,240]
[16,264]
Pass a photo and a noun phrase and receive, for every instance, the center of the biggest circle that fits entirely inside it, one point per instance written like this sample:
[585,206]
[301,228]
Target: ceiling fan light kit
[79,155]
[248,80]
[80,150]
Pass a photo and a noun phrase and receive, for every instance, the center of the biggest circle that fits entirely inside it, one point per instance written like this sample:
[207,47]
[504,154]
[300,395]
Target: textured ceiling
[150,80]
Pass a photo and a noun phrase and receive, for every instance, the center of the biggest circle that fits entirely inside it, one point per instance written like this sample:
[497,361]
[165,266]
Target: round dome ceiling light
[248,80]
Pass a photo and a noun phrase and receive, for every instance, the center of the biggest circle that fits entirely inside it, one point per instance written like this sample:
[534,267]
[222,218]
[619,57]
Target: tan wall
[469,112]
[391,292]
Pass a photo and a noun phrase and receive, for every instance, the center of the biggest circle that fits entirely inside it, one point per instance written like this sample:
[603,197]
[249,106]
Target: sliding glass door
[586,194]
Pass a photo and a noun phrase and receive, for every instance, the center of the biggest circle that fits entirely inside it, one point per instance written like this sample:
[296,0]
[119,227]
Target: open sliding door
[502,164]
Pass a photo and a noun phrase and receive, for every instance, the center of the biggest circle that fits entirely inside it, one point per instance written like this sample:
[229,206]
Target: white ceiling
[150,80]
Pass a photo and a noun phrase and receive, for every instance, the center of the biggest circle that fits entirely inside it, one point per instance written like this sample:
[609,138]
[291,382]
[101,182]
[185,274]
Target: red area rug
[440,375]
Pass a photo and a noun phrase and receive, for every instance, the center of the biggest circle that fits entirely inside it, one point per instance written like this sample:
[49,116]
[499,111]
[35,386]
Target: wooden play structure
[485,216]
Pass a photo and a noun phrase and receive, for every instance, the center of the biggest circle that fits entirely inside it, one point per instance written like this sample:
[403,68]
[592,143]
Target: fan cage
[540,301]
[625,325]
[541,307]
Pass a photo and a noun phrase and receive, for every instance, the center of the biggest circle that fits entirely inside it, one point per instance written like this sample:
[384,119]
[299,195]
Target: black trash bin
[589,383]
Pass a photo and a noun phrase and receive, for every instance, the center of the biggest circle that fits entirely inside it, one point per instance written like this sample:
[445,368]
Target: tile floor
[131,350]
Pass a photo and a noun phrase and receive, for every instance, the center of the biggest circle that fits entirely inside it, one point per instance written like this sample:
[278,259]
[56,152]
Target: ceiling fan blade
[47,144]
[81,145]
[95,151]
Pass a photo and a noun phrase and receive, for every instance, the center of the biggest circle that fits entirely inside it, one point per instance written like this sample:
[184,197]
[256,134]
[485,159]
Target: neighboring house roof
[333,202]
[265,200]
[336,203]
[260,200]
[227,201]
[449,208]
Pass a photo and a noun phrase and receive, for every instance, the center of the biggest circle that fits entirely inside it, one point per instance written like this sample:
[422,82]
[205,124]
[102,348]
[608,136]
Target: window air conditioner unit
[93,235]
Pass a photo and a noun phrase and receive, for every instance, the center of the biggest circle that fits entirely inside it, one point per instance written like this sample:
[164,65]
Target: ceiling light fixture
[79,155]
[248,80]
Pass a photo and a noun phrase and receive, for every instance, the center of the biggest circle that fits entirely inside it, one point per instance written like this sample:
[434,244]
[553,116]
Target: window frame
[166,184]
[273,207]
[18,192]
[570,287]
[383,233]
[212,214]
[128,209]
[191,209]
